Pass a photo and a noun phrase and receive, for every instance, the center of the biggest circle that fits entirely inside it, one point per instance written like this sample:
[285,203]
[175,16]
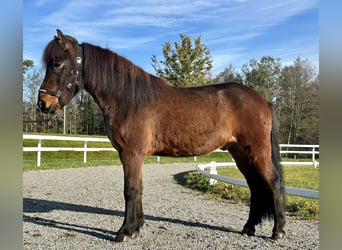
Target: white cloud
[226,26]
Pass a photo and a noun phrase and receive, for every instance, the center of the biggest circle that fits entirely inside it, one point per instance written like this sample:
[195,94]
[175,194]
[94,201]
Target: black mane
[108,72]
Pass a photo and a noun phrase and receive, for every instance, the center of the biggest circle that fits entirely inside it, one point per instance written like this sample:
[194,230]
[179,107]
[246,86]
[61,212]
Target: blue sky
[235,31]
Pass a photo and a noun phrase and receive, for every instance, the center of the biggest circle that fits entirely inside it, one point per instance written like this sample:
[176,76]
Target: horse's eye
[57,65]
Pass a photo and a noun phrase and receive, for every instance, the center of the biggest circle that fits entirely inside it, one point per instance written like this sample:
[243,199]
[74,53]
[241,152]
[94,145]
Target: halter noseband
[69,83]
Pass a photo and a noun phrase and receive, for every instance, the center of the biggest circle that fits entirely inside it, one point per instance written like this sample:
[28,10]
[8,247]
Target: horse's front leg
[134,216]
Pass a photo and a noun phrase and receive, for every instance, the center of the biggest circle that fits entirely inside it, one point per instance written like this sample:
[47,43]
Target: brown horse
[144,115]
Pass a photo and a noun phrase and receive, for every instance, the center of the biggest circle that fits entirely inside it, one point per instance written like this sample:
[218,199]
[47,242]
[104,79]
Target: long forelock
[54,51]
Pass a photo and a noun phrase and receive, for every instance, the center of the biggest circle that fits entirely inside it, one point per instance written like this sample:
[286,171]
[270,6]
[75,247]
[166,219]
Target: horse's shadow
[32,206]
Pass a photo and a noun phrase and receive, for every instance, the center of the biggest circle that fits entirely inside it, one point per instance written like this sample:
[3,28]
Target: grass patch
[300,177]
[73,159]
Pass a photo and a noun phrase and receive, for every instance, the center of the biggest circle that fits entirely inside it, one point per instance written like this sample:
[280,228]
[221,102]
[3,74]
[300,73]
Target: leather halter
[69,83]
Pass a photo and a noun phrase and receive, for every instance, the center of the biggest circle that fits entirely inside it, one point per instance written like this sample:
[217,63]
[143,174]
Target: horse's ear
[60,34]
[60,39]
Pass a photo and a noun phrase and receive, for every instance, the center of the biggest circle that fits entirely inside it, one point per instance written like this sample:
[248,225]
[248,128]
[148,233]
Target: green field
[300,177]
[67,159]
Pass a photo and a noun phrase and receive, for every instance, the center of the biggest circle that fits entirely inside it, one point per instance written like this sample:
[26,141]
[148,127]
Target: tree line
[292,89]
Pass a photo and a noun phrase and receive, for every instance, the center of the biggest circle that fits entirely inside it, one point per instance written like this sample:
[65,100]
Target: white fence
[313,148]
[85,148]
[212,175]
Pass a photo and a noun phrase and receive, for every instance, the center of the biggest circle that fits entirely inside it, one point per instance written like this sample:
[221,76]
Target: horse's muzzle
[42,106]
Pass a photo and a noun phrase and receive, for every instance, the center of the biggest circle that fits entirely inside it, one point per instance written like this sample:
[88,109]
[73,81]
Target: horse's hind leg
[274,203]
[265,183]
[244,165]
[269,191]
[134,216]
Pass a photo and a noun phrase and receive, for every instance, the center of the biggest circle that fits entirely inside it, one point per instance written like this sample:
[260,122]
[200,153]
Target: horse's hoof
[278,235]
[248,231]
[125,238]
[135,234]
[122,238]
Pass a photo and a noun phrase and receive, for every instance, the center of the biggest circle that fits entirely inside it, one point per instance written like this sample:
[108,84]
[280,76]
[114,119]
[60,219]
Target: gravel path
[83,208]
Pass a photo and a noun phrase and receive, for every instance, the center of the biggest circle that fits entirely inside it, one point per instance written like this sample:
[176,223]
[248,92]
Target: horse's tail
[264,195]
[267,199]
[275,147]
[280,203]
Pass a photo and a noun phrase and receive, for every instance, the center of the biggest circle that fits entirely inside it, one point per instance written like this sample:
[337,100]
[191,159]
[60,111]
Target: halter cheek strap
[69,83]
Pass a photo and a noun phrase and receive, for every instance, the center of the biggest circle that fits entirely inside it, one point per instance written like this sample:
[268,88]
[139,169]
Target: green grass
[68,159]
[72,159]
[300,177]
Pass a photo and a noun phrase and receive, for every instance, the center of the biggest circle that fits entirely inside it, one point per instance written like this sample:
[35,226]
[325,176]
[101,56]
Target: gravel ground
[83,208]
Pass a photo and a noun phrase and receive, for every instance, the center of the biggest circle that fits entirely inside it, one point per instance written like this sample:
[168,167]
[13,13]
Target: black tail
[275,147]
[279,199]
[265,197]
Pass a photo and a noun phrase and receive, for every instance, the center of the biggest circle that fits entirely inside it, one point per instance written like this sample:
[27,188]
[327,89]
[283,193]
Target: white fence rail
[313,152]
[213,177]
[85,148]
[314,148]
[212,174]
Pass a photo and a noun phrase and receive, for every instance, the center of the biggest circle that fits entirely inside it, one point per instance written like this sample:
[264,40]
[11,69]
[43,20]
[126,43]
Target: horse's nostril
[41,104]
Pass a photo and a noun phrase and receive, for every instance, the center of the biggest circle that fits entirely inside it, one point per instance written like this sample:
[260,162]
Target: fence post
[85,152]
[212,171]
[39,152]
[315,164]
[313,153]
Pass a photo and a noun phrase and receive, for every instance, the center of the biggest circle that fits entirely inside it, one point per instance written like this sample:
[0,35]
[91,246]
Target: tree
[186,64]
[90,115]
[263,76]
[83,116]
[299,103]
[31,82]
[228,75]
[27,64]
[33,120]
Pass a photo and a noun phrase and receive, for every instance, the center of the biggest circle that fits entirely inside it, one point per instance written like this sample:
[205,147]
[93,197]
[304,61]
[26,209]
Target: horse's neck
[102,100]
[119,92]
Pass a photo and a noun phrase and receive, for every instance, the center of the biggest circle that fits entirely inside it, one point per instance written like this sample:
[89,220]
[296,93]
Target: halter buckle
[78,60]
[74,72]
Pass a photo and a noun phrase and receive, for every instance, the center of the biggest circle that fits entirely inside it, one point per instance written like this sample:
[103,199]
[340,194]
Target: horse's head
[63,62]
